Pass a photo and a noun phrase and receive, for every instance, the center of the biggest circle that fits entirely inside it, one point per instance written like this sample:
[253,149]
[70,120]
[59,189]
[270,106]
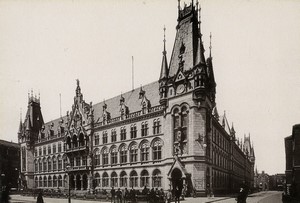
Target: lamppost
[68,167]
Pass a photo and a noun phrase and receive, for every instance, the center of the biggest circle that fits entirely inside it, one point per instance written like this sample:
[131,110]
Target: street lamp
[68,167]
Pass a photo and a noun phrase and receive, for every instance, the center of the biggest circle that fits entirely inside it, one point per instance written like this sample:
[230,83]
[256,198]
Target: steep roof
[9,144]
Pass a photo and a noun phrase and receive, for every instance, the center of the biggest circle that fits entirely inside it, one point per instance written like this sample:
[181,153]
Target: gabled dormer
[145,103]
[106,115]
[124,111]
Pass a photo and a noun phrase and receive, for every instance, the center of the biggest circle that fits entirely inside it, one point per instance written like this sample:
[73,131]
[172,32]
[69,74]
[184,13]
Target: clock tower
[187,91]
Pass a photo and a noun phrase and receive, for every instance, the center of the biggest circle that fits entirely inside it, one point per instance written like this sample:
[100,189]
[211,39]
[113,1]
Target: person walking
[119,195]
[40,198]
[126,195]
[113,194]
[169,196]
[177,195]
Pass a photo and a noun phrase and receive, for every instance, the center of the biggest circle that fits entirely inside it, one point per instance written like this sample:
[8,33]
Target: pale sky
[46,45]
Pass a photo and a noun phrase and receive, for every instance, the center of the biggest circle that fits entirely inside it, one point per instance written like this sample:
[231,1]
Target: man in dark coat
[177,194]
[126,195]
[113,194]
[119,195]
[40,198]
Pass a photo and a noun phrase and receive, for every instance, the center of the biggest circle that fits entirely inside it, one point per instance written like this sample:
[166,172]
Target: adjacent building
[9,164]
[166,134]
[292,154]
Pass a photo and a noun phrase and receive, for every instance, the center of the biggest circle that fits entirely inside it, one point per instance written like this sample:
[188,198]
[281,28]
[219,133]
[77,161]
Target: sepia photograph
[151,101]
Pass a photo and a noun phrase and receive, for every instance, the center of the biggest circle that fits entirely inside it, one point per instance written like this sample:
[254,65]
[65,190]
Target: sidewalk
[28,199]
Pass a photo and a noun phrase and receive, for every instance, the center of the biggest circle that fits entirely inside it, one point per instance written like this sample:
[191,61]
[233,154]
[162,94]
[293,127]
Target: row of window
[55,182]
[50,164]
[50,149]
[220,140]
[133,132]
[132,181]
[133,150]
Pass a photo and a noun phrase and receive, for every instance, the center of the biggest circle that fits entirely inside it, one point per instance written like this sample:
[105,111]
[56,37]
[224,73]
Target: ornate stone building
[165,134]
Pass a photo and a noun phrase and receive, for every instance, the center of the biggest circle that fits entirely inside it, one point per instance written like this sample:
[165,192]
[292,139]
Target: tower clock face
[180,89]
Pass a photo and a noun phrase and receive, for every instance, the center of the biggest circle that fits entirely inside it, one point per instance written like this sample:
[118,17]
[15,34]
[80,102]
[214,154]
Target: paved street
[261,197]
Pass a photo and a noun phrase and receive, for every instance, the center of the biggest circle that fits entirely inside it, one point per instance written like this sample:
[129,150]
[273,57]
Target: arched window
[81,139]
[133,131]
[97,157]
[114,179]
[180,120]
[59,163]
[49,181]
[65,182]
[40,165]
[133,179]
[105,180]
[69,142]
[36,165]
[45,181]
[75,143]
[44,165]
[54,181]
[145,151]
[40,182]
[49,164]
[157,146]
[133,153]
[114,155]
[36,182]
[54,163]
[123,179]
[156,178]
[144,179]
[97,180]
[144,128]
[123,154]
[59,181]
[105,156]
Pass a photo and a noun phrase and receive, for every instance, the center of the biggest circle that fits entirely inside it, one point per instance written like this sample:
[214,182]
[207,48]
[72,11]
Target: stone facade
[165,134]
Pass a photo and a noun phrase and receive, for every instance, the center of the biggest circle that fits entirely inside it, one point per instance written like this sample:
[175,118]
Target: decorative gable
[145,103]
[124,111]
[106,115]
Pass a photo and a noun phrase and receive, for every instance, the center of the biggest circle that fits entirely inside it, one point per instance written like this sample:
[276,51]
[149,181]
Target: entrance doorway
[177,180]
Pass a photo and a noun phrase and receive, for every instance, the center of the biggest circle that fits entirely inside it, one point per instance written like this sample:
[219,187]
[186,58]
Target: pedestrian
[5,195]
[113,194]
[169,196]
[145,191]
[133,195]
[40,198]
[161,196]
[177,195]
[152,195]
[126,195]
[119,195]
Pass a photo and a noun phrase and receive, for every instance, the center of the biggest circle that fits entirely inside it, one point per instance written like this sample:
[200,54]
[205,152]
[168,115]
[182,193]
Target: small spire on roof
[164,65]
[210,45]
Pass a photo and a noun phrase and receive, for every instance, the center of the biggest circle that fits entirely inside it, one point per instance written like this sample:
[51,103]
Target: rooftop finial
[20,114]
[77,81]
[164,39]
[178,5]
[210,45]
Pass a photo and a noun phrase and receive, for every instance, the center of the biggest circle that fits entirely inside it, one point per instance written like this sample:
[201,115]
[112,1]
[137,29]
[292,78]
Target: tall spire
[164,65]
[20,126]
[200,50]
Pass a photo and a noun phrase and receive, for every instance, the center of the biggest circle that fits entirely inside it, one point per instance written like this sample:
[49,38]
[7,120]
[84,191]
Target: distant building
[9,164]
[277,182]
[166,134]
[292,154]
[261,181]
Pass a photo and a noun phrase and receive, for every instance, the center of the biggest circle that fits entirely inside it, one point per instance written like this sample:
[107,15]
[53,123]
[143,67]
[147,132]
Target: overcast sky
[46,45]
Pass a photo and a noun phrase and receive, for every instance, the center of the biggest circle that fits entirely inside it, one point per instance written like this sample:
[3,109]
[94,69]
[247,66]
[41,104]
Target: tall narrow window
[59,147]
[156,126]
[114,179]
[54,148]
[133,179]
[54,164]
[180,119]
[144,179]
[123,179]
[157,150]
[97,158]
[104,156]
[113,135]
[123,154]
[104,137]
[96,139]
[105,180]
[145,152]
[133,131]
[133,153]
[144,129]
[123,133]
[156,178]
[114,156]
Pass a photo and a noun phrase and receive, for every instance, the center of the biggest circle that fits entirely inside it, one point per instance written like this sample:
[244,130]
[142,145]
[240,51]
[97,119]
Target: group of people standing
[152,196]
